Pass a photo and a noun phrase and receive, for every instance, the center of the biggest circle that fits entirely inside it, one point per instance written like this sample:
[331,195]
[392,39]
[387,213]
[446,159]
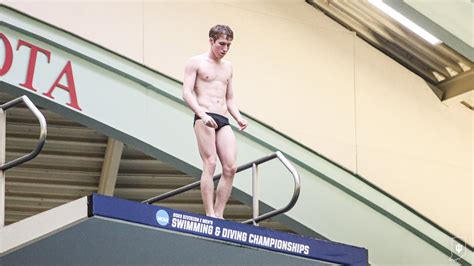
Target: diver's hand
[209,121]
[242,124]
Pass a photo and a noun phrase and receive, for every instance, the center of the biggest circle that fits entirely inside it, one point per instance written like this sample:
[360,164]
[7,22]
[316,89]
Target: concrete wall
[300,72]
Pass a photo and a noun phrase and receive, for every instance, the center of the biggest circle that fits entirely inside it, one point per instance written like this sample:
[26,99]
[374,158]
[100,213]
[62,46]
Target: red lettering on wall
[68,85]
[8,55]
[71,87]
[32,63]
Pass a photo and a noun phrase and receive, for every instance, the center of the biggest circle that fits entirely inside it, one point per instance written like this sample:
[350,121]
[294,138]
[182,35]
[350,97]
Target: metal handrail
[252,165]
[42,137]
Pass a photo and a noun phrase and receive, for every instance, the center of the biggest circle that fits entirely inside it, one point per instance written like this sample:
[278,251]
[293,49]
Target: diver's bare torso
[211,84]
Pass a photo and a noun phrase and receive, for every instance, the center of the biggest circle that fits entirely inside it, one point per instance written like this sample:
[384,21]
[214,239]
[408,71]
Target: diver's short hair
[218,30]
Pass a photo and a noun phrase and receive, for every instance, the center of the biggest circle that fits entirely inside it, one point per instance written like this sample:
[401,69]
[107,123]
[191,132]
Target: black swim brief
[220,120]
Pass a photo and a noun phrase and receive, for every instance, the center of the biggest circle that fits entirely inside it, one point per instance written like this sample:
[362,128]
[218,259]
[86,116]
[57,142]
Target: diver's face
[221,46]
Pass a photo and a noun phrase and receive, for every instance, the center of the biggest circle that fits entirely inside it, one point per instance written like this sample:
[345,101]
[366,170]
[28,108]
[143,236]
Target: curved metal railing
[255,201]
[42,137]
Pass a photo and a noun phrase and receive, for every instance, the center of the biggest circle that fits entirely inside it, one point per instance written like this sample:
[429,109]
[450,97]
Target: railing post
[3,134]
[42,137]
[256,218]
[255,199]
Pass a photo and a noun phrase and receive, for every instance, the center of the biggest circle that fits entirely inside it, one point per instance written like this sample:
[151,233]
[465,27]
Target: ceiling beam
[110,168]
[406,36]
[426,23]
[458,85]
[373,38]
[388,32]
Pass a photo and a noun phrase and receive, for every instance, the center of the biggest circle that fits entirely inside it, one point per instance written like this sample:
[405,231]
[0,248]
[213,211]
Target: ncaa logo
[162,217]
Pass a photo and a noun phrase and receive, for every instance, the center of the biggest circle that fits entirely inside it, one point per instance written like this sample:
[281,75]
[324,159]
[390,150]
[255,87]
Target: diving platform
[102,230]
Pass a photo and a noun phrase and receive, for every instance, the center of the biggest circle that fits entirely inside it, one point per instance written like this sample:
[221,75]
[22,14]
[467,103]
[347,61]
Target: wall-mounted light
[405,21]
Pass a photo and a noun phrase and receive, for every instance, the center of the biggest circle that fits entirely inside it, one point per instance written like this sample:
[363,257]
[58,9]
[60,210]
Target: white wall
[310,78]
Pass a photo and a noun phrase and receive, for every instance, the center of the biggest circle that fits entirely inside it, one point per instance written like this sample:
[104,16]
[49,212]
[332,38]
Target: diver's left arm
[232,106]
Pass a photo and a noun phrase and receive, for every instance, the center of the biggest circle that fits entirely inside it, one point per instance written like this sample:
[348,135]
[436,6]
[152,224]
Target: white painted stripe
[36,227]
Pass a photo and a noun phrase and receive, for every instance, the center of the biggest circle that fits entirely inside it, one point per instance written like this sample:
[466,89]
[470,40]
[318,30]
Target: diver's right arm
[190,74]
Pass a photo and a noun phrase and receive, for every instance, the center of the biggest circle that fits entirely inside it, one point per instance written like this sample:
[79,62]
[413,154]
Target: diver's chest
[213,73]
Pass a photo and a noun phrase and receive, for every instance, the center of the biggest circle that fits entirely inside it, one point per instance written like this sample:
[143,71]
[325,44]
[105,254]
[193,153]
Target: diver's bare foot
[212,215]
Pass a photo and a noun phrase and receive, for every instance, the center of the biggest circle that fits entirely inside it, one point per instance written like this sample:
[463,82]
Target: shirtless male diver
[207,90]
